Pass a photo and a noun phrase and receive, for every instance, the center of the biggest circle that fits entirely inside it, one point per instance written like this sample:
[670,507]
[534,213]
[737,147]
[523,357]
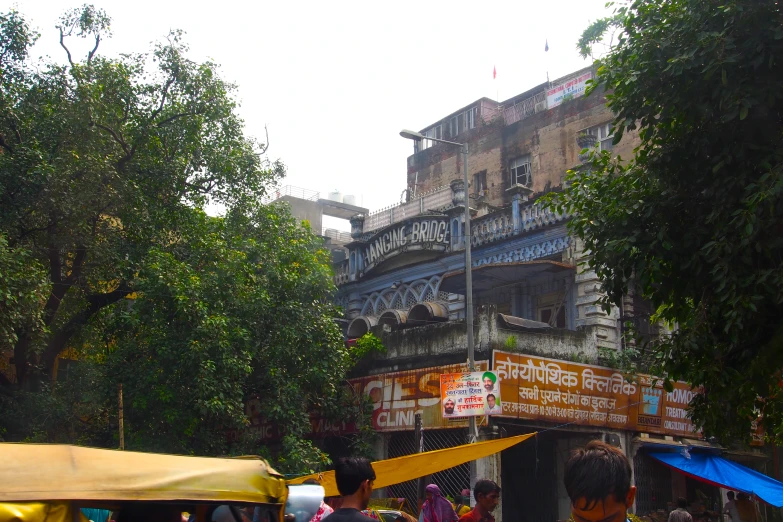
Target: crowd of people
[597,479]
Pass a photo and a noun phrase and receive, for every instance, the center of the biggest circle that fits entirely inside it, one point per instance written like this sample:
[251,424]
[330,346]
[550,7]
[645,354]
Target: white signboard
[573,88]
[470,394]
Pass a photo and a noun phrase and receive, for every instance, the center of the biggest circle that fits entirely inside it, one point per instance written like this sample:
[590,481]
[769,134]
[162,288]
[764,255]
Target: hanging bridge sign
[422,234]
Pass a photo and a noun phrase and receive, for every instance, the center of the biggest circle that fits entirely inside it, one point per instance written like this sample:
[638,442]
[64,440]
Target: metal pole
[417,434]
[469,302]
[122,420]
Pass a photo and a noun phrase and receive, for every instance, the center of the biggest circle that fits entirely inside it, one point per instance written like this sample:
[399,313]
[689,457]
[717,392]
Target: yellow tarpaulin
[42,472]
[409,467]
[39,512]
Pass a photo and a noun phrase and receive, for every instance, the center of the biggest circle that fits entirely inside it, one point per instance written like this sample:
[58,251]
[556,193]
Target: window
[453,127]
[521,171]
[551,306]
[438,132]
[604,134]
[480,183]
[470,118]
[420,145]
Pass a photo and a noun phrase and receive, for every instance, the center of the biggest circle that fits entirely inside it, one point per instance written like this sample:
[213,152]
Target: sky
[335,82]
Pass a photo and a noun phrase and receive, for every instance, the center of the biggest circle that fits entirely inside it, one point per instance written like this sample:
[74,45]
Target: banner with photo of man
[470,394]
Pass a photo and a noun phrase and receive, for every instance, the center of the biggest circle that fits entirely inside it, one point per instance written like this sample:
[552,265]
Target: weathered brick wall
[549,137]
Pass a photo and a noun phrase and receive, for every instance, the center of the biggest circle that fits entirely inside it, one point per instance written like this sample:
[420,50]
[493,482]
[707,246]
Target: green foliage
[103,158]
[596,32]
[366,345]
[105,166]
[23,292]
[695,218]
[511,342]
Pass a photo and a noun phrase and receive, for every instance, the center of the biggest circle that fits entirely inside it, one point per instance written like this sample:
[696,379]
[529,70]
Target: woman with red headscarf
[437,508]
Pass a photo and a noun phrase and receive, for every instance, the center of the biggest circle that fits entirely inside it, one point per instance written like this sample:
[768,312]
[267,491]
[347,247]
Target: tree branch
[7,146]
[92,53]
[168,120]
[163,96]
[116,137]
[59,340]
[62,44]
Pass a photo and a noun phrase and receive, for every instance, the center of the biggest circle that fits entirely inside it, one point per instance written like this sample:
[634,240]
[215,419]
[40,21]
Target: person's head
[491,400]
[432,491]
[448,406]
[730,495]
[598,481]
[487,494]
[682,503]
[354,476]
[311,482]
[489,380]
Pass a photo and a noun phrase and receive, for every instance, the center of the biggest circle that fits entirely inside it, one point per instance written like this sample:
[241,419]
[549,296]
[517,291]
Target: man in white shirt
[730,508]
[492,407]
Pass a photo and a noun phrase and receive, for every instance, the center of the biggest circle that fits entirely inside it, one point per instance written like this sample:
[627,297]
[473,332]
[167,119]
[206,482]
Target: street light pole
[417,136]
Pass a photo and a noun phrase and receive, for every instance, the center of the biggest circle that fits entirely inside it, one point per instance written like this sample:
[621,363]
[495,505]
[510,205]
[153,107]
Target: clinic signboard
[538,388]
[398,396]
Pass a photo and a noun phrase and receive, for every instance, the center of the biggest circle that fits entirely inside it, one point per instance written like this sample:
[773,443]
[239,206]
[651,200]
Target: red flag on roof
[494,72]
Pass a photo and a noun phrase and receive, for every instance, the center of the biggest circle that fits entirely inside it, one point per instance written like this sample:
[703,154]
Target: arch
[393,317]
[428,312]
[361,325]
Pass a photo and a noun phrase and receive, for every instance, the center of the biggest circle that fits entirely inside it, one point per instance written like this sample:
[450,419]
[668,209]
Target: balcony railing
[434,199]
[525,108]
[290,190]
[337,235]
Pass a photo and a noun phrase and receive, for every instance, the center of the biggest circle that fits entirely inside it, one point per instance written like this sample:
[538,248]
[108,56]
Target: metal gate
[653,484]
[451,481]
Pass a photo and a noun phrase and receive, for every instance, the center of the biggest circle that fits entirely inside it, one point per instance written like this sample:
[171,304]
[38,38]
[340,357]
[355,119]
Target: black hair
[595,472]
[485,487]
[311,482]
[350,472]
[491,395]
[681,502]
[730,494]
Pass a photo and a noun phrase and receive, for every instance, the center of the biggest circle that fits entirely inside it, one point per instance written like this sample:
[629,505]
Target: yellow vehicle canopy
[49,472]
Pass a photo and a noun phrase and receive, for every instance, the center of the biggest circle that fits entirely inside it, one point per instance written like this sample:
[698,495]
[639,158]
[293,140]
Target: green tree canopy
[105,250]
[101,159]
[695,218]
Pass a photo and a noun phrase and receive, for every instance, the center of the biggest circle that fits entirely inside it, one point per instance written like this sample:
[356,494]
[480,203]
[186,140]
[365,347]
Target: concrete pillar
[489,468]
[590,314]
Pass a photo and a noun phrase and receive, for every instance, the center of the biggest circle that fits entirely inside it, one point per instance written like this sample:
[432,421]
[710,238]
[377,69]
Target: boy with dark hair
[680,514]
[354,476]
[487,495]
[598,481]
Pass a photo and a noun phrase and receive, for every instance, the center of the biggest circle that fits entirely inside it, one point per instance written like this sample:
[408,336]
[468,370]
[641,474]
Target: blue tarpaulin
[725,473]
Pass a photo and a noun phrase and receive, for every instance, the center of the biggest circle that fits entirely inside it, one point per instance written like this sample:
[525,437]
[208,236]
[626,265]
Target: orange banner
[398,396]
[564,392]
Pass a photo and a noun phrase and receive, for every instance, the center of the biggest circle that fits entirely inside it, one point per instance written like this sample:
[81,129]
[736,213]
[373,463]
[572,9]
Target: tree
[105,166]
[102,158]
[694,220]
[230,309]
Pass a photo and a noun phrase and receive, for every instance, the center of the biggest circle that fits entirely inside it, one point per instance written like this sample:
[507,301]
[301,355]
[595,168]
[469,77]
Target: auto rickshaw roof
[48,472]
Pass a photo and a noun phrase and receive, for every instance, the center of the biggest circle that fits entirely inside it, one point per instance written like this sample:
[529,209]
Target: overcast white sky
[336,81]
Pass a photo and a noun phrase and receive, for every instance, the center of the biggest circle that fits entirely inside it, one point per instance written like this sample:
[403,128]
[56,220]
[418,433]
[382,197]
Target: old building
[538,324]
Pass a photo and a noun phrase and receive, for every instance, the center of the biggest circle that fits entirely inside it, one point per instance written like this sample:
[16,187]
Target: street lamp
[417,136]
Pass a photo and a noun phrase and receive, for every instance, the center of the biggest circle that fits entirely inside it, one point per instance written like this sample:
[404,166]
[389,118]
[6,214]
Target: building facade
[538,322]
